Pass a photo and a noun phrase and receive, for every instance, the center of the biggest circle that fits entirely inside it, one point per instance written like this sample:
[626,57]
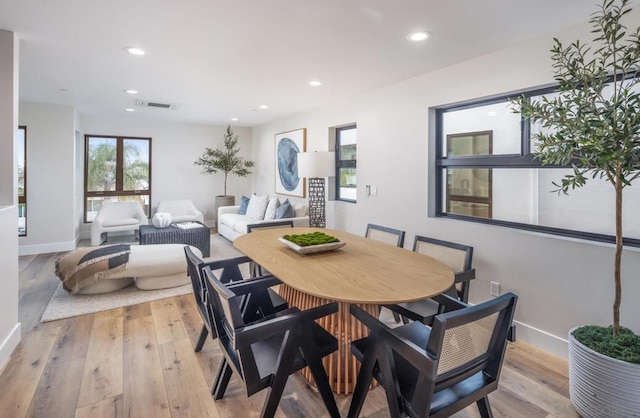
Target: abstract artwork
[288,145]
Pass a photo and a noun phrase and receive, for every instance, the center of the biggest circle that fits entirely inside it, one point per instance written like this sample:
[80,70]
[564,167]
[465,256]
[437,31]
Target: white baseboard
[52,247]
[550,343]
[8,345]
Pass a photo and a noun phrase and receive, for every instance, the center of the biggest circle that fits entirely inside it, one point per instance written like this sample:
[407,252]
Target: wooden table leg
[341,366]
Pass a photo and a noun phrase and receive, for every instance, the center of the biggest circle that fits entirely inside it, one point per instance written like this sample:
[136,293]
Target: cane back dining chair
[262,354]
[437,371]
[389,236]
[230,272]
[257,270]
[459,258]
[385,234]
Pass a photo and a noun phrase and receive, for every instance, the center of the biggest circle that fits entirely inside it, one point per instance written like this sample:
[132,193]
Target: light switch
[374,190]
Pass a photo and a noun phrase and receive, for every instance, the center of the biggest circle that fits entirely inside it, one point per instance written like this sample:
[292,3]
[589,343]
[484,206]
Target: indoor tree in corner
[592,124]
[226,160]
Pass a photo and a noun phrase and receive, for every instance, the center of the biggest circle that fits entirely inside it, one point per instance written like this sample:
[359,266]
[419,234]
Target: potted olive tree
[227,161]
[593,125]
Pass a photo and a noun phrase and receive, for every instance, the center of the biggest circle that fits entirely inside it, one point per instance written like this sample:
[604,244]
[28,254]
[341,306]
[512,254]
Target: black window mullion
[525,159]
[120,164]
[340,163]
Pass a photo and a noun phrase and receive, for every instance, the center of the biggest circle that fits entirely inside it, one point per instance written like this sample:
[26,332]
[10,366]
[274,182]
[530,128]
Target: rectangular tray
[310,249]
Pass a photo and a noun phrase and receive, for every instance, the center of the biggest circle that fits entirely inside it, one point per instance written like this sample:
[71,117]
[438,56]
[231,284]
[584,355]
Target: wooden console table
[364,272]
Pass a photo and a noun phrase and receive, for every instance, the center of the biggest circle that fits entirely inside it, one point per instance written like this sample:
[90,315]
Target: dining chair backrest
[264,352]
[470,340]
[229,270]
[226,310]
[457,257]
[385,234]
[463,352]
[268,225]
[194,270]
[257,270]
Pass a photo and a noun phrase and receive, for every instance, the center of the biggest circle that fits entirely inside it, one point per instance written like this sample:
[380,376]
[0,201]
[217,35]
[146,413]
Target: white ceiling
[222,59]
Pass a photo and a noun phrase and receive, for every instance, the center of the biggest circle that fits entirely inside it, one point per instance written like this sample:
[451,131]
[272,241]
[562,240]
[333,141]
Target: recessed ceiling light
[264,107]
[130,110]
[129,91]
[135,51]
[234,119]
[315,83]
[418,36]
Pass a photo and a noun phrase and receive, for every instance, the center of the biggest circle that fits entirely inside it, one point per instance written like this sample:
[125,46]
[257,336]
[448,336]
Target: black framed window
[485,171]
[21,149]
[346,158]
[116,169]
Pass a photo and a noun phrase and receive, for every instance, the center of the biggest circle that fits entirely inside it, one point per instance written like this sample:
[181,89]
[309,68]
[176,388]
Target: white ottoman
[151,267]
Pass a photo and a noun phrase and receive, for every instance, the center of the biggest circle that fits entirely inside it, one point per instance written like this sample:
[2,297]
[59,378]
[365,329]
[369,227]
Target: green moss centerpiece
[311,238]
[311,242]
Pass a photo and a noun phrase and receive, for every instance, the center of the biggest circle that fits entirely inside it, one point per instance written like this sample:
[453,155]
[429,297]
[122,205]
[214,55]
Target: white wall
[174,148]
[50,178]
[561,283]
[9,325]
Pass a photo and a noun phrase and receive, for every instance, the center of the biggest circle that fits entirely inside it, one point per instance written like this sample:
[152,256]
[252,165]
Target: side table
[199,236]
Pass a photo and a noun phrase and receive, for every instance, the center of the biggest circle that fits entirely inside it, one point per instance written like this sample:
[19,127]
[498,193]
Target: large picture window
[116,169]
[21,148]
[485,171]
[346,147]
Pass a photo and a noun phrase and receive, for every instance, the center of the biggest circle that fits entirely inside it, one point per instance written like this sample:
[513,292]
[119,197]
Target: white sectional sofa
[231,224]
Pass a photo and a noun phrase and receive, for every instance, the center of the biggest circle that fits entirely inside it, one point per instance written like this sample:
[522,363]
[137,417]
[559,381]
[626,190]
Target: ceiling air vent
[158,105]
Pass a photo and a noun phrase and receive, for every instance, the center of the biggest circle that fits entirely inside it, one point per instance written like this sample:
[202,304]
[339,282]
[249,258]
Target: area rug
[63,305]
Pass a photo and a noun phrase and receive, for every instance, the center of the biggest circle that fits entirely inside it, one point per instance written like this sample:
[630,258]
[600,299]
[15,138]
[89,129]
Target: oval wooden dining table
[364,271]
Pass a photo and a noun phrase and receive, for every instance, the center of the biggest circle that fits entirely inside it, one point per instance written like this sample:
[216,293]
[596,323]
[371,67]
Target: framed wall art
[287,146]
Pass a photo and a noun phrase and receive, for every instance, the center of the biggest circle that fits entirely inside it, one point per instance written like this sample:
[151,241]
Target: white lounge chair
[115,217]
[181,210]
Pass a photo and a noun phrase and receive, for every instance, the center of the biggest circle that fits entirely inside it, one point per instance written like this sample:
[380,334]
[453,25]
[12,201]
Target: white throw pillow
[257,206]
[272,207]
[300,210]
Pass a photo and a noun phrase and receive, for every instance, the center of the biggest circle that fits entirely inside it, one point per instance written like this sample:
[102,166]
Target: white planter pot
[600,386]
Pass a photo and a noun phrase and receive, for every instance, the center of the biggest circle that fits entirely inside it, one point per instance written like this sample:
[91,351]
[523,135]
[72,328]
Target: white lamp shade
[317,164]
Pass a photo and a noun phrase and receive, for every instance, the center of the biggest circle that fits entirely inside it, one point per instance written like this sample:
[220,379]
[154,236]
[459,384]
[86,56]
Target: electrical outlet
[495,289]
[205,212]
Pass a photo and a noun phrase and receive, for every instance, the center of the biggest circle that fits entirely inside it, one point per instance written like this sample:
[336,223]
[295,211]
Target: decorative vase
[161,220]
[601,386]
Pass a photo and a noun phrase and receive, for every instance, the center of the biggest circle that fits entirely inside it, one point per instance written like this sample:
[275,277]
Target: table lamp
[315,166]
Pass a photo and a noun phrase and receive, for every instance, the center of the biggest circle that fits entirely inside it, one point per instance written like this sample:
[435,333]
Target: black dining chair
[257,270]
[230,271]
[437,371]
[385,234]
[389,236]
[459,258]
[263,353]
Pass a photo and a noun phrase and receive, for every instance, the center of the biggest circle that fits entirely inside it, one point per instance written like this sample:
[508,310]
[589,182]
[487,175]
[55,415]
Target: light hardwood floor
[139,362]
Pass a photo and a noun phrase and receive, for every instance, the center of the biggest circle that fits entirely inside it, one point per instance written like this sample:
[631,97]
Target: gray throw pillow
[285,210]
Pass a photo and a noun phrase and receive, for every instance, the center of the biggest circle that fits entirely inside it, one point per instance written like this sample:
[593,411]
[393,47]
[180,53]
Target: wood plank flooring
[138,361]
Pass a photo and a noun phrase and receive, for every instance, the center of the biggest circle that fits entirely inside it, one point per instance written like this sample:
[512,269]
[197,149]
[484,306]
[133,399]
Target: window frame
[23,199]
[525,159]
[119,171]
[344,163]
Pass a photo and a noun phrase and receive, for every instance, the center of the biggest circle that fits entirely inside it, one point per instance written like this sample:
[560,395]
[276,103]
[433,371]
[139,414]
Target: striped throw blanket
[85,266]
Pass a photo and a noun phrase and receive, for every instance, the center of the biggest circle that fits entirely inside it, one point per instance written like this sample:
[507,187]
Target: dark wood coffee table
[198,237]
